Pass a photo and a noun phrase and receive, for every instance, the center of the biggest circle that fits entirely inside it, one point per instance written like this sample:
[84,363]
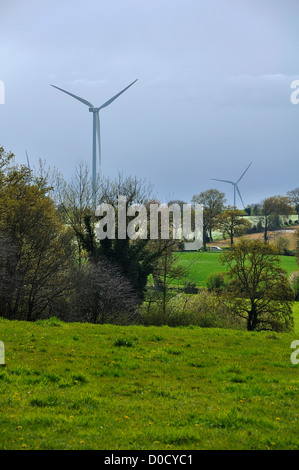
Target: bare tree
[9,279]
[73,200]
[213,203]
[101,294]
[136,190]
[294,197]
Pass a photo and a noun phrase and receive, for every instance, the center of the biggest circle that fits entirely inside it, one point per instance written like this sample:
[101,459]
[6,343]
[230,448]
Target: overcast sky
[213,90]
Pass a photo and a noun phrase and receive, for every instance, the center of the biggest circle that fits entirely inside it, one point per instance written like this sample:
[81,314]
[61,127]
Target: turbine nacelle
[94,110]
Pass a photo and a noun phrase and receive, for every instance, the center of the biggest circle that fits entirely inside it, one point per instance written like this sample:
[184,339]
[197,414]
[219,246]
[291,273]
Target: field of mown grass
[201,264]
[83,386]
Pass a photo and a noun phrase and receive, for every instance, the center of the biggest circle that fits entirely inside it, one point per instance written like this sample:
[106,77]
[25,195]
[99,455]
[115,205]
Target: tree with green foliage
[232,222]
[297,245]
[37,246]
[135,258]
[258,290]
[272,208]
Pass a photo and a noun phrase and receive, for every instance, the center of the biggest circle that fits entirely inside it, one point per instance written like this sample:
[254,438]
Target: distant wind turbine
[235,185]
[96,129]
[28,164]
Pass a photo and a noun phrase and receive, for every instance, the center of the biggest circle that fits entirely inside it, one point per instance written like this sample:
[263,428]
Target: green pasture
[82,386]
[200,264]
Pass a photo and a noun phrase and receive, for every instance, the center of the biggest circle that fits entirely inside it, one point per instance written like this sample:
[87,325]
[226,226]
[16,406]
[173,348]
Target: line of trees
[52,264]
[255,288]
[268,215]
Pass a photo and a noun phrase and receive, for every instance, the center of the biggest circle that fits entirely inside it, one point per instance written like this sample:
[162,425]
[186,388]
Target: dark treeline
[51,262]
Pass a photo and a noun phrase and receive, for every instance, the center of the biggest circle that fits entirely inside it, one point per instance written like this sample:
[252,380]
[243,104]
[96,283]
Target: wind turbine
[96,129]
[28,164]
[235,185]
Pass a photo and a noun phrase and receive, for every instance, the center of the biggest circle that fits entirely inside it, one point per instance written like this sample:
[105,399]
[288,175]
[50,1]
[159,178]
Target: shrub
[205,309]
[190,288]
[101,294]
[282,244]
[215,282]
[294,281]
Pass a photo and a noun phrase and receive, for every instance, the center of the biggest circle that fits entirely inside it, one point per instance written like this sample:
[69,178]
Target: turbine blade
[224,181]
[243,173]
[75,96]
[98,135]
[116,96]
[240,195]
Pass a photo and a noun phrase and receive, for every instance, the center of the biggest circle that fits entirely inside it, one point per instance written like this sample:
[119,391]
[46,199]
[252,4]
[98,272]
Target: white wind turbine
[96,129]
[28,165]
[235,185]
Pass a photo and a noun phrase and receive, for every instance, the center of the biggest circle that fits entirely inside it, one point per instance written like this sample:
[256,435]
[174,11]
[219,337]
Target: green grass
[201,264]
[82,386]
[296,317]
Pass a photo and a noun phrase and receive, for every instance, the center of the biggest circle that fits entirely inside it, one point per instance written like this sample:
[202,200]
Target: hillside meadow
[69,386]
[83,386]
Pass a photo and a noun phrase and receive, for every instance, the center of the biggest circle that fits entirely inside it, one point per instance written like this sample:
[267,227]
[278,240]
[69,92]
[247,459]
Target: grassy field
[201,264]
[296,317]
[82,386]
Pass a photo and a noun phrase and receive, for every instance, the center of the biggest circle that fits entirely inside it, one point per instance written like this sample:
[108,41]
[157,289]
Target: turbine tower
[96,129]
[28,164]
[235,185]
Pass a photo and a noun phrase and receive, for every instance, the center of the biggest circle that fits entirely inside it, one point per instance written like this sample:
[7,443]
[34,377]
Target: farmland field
[288,233]
[201,264]
[83,386]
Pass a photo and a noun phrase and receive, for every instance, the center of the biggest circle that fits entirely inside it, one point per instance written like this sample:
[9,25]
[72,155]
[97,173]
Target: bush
[294,281]
[215,282]
[190,288]
[205,309]
[101,294]
[282,244]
